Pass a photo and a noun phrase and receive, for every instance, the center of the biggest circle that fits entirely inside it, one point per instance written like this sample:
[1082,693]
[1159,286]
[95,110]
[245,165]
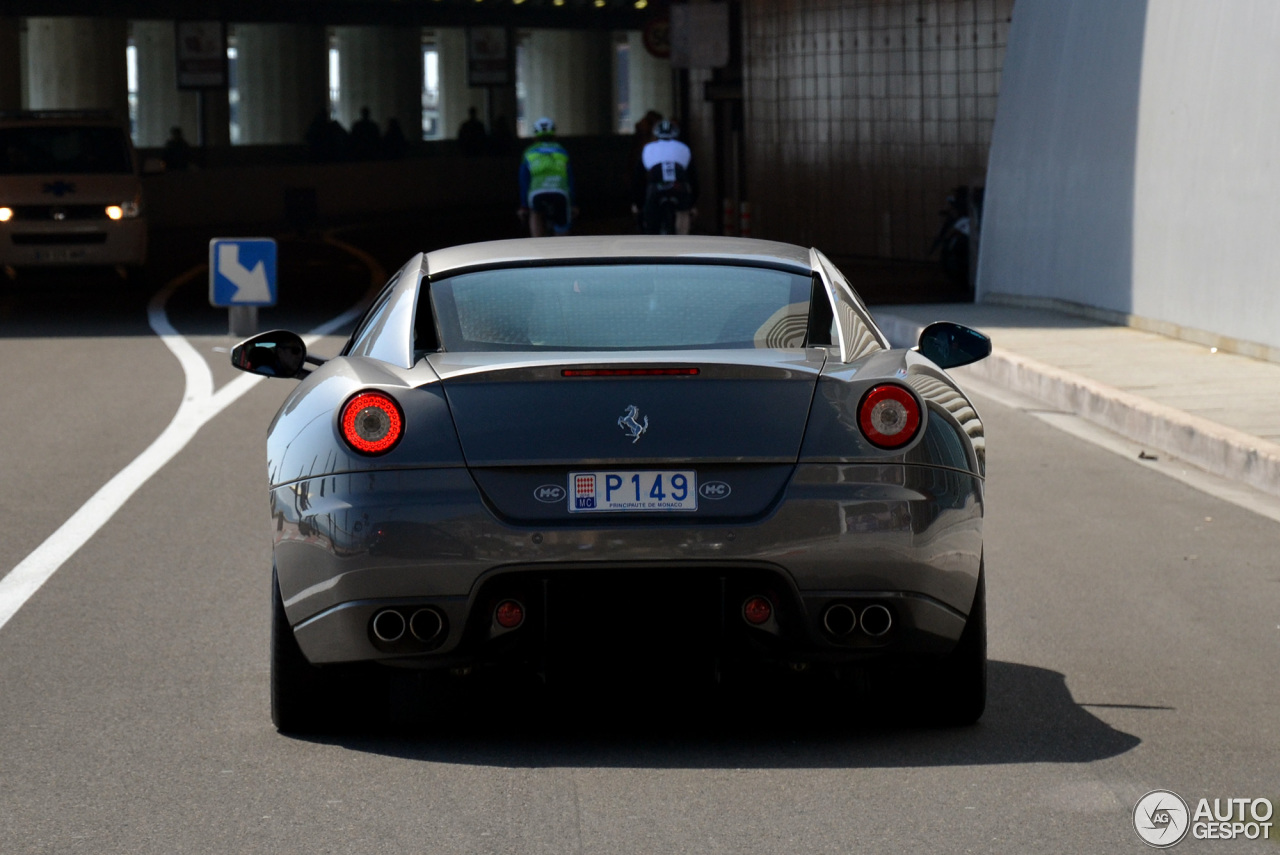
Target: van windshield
[64,149]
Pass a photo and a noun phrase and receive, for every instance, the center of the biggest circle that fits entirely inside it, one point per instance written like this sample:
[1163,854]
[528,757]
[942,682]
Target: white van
[70,192]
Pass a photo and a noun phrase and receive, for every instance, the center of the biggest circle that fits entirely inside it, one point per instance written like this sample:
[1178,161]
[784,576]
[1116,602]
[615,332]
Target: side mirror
[952,345]
[278,353]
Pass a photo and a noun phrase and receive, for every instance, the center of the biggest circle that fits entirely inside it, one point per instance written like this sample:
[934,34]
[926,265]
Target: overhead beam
[574,14]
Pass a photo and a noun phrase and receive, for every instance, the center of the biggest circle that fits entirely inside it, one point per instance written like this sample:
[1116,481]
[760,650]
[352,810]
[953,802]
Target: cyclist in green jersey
[546,183]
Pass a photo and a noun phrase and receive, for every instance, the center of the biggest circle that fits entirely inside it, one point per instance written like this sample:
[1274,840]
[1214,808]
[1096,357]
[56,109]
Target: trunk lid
[729,407]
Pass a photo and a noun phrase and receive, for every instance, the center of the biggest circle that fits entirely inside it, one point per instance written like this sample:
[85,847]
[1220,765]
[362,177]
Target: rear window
[91,150]
[622,307]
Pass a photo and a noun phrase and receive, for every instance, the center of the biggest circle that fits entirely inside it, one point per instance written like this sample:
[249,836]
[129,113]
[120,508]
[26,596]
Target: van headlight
[123,211]
[6,214]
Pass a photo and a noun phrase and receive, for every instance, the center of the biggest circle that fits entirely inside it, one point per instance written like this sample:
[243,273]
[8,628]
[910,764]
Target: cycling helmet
[666,130]
[544,127]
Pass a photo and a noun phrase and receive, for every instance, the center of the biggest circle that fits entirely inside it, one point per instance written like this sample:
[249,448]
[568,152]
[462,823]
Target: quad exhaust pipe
[426,625]
[840,619]
[390,626]
[876,620]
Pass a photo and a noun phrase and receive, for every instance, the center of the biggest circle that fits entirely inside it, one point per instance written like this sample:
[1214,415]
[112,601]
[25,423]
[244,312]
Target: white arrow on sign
[251,285]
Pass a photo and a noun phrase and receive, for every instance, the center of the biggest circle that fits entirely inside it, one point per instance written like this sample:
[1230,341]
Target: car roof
[396,341]
[614,248]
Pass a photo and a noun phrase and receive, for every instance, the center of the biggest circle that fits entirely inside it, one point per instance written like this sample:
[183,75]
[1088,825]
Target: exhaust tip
[840,619]
[876,620]
[388,625]
[426,625]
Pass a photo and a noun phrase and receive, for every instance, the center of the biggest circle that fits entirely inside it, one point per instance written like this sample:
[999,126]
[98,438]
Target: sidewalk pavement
[1216,410]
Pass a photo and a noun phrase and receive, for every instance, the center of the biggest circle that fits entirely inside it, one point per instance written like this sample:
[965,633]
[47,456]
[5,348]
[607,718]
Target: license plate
[665,490]
[60,254]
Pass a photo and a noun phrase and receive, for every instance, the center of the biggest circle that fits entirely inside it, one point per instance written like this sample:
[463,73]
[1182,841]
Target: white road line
[199,404]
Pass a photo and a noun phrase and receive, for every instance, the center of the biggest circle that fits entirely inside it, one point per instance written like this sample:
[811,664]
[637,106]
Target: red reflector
[629,372]
[889,416]
[509,614]
[371,423]
[757,610]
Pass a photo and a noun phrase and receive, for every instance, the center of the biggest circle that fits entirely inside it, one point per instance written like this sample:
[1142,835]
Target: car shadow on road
[1030,718]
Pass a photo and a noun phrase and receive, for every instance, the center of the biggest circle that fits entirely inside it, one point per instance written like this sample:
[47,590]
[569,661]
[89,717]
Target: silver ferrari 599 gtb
[626,458]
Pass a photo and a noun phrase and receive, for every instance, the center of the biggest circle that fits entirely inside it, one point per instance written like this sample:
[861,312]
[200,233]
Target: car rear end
[676,503]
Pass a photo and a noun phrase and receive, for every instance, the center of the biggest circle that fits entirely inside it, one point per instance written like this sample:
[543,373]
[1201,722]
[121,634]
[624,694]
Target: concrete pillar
[650,80]
[502,108]
[455,95]
[567,75]
[215,118]
[283,80]
[381,68]
[78,63]
[161,105]
[10,65]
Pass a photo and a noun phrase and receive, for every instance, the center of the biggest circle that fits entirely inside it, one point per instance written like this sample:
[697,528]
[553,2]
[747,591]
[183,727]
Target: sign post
[242,277]
[201,65]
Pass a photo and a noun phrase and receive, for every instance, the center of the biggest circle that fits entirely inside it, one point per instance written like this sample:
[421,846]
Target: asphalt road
[1134,633]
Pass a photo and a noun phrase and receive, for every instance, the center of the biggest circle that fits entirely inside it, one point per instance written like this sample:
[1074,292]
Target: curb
[1215,448]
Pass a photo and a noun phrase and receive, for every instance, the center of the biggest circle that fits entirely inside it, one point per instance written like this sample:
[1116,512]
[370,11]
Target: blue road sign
[242,272]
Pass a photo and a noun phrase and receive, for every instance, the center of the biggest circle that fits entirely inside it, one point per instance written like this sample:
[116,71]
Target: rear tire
[294,680]
[959,695]
[306,698]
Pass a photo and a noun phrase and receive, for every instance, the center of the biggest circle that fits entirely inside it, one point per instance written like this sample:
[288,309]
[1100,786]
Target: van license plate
[59,254]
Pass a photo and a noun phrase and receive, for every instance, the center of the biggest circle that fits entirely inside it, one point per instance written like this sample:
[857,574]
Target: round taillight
[509,614]
[889,416]
[757,610]
[371,423]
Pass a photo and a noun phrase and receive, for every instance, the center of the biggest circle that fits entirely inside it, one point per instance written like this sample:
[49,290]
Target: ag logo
[1161,818]
[714,490]
[549,493]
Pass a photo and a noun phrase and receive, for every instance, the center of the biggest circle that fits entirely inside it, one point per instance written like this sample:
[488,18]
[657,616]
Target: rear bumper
[73,242]
[908,538]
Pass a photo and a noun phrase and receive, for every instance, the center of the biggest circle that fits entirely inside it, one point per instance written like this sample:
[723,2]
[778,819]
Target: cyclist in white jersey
[666,184]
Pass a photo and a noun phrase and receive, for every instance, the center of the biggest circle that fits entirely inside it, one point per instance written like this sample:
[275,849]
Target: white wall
[1058,220]
[381,68]
[1207,233]
[567,77]
[650,80]
[78,64]
[161,105]
[283,72]
[1133,162]
[455,96]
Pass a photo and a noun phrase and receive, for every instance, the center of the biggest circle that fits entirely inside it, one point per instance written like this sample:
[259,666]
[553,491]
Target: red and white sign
[488,56]
[201,54]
